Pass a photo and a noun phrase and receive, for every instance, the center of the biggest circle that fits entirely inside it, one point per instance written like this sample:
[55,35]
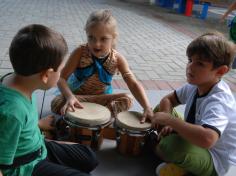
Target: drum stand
[96,131]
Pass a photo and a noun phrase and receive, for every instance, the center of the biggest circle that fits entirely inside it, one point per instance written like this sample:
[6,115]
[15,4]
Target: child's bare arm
[1,173]
[168,102]
[135,87]
[195,134]
[69,68]
[230,9]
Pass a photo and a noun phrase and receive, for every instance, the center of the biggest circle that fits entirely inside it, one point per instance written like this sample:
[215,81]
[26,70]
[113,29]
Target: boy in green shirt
[36,54]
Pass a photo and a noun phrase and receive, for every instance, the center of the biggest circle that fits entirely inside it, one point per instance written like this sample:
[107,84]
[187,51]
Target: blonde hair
[104,17]
[213,47]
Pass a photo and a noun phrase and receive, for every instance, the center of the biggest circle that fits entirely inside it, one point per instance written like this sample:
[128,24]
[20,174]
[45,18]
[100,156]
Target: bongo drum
[130,133]
[86,124]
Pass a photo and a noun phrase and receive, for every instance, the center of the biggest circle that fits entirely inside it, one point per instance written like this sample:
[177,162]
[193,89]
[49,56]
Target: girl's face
[100,40]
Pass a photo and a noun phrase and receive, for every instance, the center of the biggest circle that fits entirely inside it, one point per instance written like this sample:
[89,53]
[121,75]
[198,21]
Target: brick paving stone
[176,84]
[5,64]
[5,71]
[149,85]
[163,85]
[172,77]
[153,39]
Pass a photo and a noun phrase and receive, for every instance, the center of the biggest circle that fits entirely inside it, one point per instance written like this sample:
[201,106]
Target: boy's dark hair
[36,48]
[212,47]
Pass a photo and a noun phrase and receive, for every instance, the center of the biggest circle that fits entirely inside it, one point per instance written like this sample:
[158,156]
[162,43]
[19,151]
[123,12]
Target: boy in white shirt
[205,142]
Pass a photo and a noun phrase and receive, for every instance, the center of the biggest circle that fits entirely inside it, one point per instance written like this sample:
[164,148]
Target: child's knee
[126,95]
[174,113]
[130,99]
[90,161]
[93,162]
[171,148]
[124,101]
[57,104]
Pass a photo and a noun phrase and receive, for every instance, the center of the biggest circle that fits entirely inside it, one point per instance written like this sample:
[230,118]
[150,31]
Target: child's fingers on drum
[162,133]
[143,119]
[155,125]
[78,105]
[70,108]
[166,131]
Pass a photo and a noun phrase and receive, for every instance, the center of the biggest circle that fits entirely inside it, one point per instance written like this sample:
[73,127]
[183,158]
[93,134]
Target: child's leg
[57,103]
[75,156]
[48,168]
[191,158]
[119,102]
[174,112]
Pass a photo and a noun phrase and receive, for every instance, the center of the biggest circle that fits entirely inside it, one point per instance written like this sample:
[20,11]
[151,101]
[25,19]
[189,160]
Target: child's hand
[71,104]
[46,123]
[164,132]
[160,119]
[147,114]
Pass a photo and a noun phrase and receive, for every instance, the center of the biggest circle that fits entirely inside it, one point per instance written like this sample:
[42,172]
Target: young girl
[88,73]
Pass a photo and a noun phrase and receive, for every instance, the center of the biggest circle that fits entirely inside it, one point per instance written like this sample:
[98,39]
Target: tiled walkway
[152,39]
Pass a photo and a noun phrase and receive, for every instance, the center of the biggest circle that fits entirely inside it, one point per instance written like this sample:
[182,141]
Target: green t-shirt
[19,132]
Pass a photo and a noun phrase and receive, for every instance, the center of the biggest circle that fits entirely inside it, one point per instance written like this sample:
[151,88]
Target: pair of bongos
[86,125]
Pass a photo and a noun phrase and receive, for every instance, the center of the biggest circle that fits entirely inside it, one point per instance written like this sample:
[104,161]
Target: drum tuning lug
[97,135]
[95,138]
[118,137]
[142,144]
[118,140]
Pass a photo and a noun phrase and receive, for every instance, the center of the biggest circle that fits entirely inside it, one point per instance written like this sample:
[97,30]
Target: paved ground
[152,39]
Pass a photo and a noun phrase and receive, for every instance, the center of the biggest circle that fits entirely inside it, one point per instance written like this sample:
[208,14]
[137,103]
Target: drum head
[130,120]
[92,114]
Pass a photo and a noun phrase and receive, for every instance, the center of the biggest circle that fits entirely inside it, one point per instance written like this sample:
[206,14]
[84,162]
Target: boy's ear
[45,75]
[222,70]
